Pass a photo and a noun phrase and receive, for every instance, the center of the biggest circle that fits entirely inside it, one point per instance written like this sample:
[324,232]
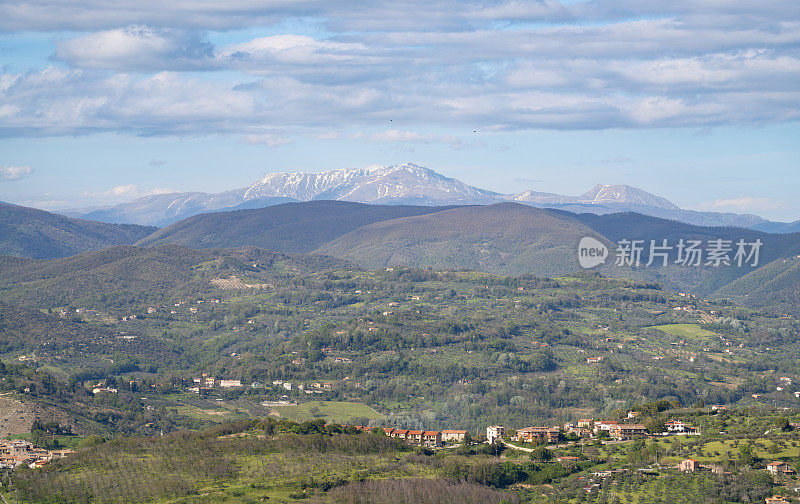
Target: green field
[332,411]
[689,331]
[218,415]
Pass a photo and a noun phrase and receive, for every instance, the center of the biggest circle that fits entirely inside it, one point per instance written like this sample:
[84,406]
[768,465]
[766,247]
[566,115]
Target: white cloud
[137,48]
[491,66]
[743,204]
[267,140]
[400,136]
[126,193]
[15,172]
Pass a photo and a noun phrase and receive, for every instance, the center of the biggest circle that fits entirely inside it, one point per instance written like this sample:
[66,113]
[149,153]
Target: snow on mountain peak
[621,193]
[402,183]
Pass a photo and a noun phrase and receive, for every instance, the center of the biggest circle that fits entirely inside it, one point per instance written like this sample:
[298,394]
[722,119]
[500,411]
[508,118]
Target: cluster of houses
[19,452]
[588,427]
[206,383]
[428,439]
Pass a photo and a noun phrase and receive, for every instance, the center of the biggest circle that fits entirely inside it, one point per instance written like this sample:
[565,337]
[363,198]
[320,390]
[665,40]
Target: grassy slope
[775,284]
[331,411]
[28,232]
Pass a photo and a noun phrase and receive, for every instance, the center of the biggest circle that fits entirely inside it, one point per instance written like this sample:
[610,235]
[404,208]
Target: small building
[495,433]
[604,425]
[628,431]
[454,436]
[538,434]
[689,465]
[779,468]
[777,499]
[230,383]
[594,360]
[678,427]
[401,434]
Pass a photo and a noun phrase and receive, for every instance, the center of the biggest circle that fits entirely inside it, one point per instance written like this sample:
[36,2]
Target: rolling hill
[505,238]
[775,285]
[28,232]
[291,227]
[125,276]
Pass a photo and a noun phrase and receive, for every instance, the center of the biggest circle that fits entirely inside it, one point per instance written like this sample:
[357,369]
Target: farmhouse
[678,427]
[779,468]
[689,465]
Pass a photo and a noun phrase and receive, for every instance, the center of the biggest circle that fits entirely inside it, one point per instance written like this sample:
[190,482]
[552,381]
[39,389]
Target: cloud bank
[15,172]
[151,68]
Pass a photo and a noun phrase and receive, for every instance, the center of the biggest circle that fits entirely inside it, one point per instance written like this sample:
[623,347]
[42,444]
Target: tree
[782,423]
[655,425]
[541,454]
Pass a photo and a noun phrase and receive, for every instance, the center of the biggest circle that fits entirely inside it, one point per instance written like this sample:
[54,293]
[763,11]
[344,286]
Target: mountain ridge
[37,234]
[402,184]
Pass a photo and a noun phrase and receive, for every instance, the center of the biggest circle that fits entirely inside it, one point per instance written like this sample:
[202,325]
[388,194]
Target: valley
[303,335]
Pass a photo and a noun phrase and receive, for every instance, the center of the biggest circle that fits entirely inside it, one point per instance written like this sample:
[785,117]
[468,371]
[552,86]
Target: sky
[696,101]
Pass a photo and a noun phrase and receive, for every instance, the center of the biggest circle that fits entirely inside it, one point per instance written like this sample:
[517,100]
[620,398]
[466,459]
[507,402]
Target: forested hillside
[290,227]
[28,232]
[505,238]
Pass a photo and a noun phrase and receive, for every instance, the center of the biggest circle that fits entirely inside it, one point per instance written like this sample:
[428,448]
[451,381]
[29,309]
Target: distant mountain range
[404,184]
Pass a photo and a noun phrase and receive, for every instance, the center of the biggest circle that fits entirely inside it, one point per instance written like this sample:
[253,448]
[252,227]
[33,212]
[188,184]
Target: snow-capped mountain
[163,209]
[404,183]
[407,184]
[624,194]
[599,195]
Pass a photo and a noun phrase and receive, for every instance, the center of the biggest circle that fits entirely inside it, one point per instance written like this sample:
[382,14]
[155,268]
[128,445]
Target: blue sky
[102,102]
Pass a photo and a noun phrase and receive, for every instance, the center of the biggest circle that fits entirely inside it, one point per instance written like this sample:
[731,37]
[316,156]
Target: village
[527,439]
[19,452]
